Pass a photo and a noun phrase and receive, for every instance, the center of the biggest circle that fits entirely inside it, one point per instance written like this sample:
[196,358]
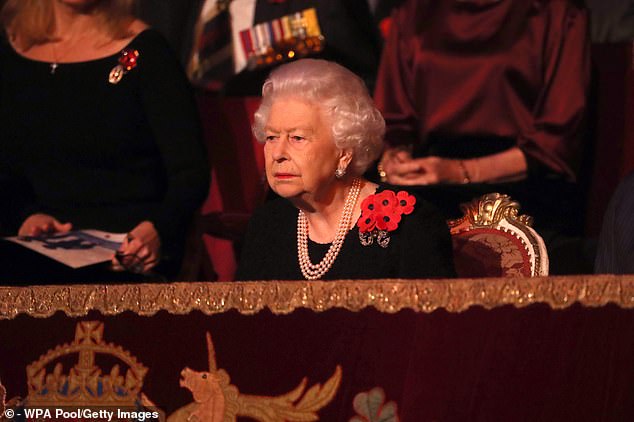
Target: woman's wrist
[465,175]
[468,171]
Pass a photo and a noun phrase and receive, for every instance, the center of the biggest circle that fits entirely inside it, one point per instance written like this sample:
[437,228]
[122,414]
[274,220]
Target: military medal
[289,37]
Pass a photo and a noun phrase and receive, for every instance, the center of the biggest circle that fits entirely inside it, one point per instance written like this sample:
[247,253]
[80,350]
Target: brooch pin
[381,213]
[127,61]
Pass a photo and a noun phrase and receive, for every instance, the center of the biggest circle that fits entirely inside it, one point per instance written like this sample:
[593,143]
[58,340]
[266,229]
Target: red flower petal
[405,202]
[386,200]
[366,222]
[387,221]
[367,206]
[382,211]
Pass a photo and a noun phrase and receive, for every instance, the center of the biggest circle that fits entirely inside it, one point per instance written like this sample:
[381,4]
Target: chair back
[238,186]
[493,240]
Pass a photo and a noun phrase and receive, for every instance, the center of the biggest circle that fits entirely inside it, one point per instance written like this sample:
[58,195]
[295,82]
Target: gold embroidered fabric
[85,384]
[216,400]
[283,297]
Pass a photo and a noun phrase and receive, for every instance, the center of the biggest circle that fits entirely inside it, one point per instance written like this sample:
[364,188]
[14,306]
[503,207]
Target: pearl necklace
[312,271]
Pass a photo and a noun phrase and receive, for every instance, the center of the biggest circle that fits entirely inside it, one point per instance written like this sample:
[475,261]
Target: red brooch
[381,213]
[127,61]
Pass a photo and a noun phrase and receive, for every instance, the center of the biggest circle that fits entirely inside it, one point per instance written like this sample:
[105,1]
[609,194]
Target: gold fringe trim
[283,297]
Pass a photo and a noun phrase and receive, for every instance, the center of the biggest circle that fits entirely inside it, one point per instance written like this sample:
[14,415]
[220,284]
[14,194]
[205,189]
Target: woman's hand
[429,171]
[397,163]
[402,169]
[37,224]
[140,251]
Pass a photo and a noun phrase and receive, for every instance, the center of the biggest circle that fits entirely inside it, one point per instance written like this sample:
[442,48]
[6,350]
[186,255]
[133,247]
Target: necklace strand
[312,271]
[54,65]
[72,44]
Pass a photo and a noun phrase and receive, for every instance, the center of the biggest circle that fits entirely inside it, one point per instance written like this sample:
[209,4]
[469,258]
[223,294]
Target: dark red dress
[467,78]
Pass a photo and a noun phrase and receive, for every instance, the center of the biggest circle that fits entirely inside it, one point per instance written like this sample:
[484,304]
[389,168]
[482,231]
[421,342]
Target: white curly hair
[342,96]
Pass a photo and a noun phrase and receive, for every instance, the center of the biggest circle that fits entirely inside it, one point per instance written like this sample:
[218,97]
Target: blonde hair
[32,22]
[356,122]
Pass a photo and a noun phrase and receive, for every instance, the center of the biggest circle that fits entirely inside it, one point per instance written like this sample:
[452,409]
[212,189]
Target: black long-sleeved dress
[419,248]
[102,155]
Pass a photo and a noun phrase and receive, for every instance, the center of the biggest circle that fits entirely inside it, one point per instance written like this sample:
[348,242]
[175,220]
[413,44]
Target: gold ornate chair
[493,240]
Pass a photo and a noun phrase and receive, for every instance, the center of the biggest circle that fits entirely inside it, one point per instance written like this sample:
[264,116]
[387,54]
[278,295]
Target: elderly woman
[100,129]
[321,131]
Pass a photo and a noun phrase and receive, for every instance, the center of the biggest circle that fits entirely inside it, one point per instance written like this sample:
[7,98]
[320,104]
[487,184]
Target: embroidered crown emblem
[85,384]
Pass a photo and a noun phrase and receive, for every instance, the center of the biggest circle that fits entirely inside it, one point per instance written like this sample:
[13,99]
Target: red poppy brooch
[128,59]
[381,213]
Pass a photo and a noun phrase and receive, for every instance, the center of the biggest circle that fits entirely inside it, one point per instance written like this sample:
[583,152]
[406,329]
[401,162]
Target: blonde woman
[99,124]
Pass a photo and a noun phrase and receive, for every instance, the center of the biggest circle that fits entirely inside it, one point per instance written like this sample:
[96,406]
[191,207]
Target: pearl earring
[339,173]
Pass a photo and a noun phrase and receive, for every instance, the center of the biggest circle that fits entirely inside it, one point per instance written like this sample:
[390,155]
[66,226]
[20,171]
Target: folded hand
[140,251]
[402,169]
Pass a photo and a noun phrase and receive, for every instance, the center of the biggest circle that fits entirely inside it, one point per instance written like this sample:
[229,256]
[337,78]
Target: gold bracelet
[381,171]
[466,178]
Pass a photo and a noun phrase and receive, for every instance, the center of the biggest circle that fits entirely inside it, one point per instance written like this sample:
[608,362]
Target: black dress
[102,155]
[419,248]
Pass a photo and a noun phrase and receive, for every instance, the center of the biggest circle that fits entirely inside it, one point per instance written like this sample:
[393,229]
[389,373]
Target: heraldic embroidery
[84,384]
[216,400]
[371,407]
